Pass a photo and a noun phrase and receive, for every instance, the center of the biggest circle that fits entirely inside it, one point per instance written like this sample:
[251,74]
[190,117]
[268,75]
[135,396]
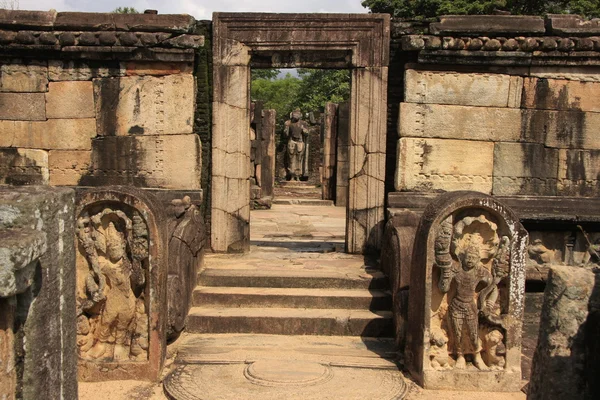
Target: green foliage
[269,74]
[308,92]
[125,10]
[423,9]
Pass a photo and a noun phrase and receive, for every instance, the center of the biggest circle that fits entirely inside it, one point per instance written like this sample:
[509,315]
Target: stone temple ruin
[466,167]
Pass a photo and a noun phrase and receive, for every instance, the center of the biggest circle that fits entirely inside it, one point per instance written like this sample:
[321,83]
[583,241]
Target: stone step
[281,278]
[290,321]
[253,297]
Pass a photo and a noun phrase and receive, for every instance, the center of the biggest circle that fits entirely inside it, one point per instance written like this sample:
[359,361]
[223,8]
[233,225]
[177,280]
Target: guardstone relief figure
[112,319]
[472,260]
[296,133]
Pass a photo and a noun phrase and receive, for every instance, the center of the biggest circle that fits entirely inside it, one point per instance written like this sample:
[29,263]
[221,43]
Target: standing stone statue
[296,132]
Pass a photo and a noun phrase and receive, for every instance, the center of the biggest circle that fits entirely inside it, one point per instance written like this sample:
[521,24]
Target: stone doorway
[241,41]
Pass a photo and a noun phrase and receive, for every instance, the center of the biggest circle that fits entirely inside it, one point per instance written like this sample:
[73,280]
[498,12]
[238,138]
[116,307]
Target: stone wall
[98,99]
[511,112]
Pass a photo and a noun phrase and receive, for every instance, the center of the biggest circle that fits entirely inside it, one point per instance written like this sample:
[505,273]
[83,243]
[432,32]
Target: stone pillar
[329,134]
[37,288]
[267,135]
[368,116]
[342,161]
[230,188]
[566,363]
[466,296]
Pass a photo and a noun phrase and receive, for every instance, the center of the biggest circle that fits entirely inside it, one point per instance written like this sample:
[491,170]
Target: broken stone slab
[20,250]
[566,361]
[475,244]
[572,25]
[488,25]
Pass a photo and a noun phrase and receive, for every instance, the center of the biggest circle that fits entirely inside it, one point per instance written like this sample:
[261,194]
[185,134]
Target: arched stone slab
[467,288]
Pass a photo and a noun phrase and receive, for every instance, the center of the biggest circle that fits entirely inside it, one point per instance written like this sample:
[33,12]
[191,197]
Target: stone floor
[304,242]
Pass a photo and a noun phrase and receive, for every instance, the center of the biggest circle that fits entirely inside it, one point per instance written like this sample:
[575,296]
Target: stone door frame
[359,42]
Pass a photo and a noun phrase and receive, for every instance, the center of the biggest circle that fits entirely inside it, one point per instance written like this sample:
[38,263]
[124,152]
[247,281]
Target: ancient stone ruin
[464,170]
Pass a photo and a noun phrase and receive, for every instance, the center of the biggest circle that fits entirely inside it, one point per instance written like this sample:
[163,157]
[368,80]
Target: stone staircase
[278,293]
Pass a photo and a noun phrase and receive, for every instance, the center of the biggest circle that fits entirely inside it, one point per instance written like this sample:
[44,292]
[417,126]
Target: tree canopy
[308,92]
[125,10]
[424,9]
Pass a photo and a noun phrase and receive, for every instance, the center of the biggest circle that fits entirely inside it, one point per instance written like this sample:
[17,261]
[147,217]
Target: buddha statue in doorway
[296,133]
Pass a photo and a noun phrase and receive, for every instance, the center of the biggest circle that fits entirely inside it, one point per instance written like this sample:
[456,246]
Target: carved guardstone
[121,282]
[467,287]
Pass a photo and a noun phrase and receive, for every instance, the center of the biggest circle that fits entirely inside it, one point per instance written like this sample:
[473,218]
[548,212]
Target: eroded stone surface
[433,164]
[565,364]
[23,167]
[54,134]
[70,100]
[28,78]
[22,106]
[519,169]
[145,105]
[483,90]
[459,122]
[579,172]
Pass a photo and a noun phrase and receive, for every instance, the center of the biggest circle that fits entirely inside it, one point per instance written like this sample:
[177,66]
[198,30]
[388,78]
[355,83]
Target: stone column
[230,188]
[329,151]
[267,135]
[342,162]
[368,116]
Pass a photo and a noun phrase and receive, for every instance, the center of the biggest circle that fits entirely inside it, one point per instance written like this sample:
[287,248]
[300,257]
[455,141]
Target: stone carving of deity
[112,321]
[296,133]
[472,260]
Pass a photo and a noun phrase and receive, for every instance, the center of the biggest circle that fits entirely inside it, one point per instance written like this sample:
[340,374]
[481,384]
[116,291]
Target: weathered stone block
[145,105]
[17,77]
[566,360]
[439,164]
[561,129]
[459,122]
[168,161]
[488,24]
[571,73]
[46,319]
[560,94]
[57,134]
[464,89]
[525,168]
[133,68]
[23,167]
[579,173]
[22,106]
[67,167]
[70,100]
[66,70]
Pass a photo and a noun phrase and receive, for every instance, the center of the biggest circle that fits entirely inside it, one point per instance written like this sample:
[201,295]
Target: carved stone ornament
[112,322]
[466,292]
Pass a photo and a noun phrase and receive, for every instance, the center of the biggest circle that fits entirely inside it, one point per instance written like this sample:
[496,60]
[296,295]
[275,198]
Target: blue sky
[200,9]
